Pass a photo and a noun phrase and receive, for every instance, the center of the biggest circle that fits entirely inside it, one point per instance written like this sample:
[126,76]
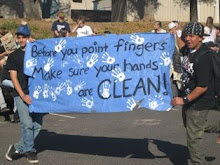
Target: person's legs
[3,107]
[9,83]
[26,127]
[30,128]
[37,123]
[212,127]
[195,126]
[2,100]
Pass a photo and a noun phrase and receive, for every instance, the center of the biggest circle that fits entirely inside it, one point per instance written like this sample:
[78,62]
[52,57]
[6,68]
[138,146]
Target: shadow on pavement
[114,147]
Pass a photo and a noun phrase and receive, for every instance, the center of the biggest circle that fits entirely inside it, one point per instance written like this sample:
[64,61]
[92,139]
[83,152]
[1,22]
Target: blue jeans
[30,127]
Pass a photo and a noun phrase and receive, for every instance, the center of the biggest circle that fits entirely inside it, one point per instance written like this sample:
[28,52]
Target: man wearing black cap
[198,90]
[30,122]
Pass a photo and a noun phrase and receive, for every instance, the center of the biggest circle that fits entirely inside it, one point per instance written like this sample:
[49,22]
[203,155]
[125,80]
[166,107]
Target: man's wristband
[185,100]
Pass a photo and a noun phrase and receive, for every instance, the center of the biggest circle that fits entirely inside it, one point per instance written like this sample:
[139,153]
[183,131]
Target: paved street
[140,137]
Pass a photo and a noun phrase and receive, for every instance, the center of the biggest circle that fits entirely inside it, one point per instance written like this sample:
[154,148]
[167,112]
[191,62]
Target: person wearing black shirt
[198,90]
[59,24]
[30,122]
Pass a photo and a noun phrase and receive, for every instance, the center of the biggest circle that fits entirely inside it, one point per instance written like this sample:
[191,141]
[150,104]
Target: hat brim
[19,33]
[206,35]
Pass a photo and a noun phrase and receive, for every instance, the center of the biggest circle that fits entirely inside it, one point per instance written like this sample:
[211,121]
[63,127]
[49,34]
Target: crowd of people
[191,72]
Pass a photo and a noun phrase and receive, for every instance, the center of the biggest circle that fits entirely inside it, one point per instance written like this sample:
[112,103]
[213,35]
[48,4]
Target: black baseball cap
[195,28]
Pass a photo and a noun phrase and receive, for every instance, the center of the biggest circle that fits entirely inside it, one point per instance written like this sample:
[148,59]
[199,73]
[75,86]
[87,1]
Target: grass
[41,29]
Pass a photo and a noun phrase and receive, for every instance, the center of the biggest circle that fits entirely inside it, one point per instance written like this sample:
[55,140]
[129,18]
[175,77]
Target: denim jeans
[196,125]
[30,127]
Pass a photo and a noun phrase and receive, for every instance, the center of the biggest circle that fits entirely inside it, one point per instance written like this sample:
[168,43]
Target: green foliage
[41,35]
[42,29]
[9,25]
[33,27]
[38,32]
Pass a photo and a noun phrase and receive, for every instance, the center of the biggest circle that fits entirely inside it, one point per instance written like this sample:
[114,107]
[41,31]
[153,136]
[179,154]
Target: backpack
[216,73]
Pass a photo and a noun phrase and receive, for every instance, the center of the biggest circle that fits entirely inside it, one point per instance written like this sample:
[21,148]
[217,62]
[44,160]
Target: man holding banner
[30,122]
[198,91]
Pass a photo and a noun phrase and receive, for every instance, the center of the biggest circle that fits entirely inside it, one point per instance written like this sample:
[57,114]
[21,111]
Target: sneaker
[3,110]
[12,154]
[32,157]
[7,117]
[16,118]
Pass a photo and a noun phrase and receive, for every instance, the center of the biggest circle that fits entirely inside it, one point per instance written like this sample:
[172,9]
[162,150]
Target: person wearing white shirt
[158,27]
[82,29]
[210,31]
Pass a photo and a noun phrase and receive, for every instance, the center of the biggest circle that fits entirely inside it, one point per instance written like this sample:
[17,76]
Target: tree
[32,8]
[193,7]
[149,9]
[145,9]
[193,10]
[130,10]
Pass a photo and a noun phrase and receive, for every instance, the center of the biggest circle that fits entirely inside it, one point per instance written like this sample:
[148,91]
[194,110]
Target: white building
[91,5]
[164,10]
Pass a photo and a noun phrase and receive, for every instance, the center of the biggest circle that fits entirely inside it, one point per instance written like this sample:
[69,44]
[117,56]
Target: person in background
[106,32]
[63,32]
[178,29]
[214,47]
[3,53]
[217,39]
[210,30]
[81,29]
[6,81]
[158,27]
[198,91]
[30,122]
[59,24]
[175,67]
[177,23]
[172,27]
[4,110]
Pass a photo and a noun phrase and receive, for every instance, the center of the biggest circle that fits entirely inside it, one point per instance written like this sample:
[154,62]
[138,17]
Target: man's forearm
[198,91]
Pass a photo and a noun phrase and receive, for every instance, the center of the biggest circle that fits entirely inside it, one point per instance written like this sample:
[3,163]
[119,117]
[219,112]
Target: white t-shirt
[212,34]
[84,31]
[161,31]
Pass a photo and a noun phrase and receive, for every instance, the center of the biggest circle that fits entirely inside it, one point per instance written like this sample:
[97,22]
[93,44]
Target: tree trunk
[65,6]
[193,11]
[119,10]
[148,11]
[32,9]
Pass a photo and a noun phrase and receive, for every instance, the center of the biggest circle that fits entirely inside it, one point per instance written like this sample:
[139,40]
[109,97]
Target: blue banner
[110,73]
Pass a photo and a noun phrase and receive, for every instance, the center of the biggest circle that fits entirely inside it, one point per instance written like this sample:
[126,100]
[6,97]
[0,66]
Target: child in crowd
[82,29]
[158,27]
[59,24]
